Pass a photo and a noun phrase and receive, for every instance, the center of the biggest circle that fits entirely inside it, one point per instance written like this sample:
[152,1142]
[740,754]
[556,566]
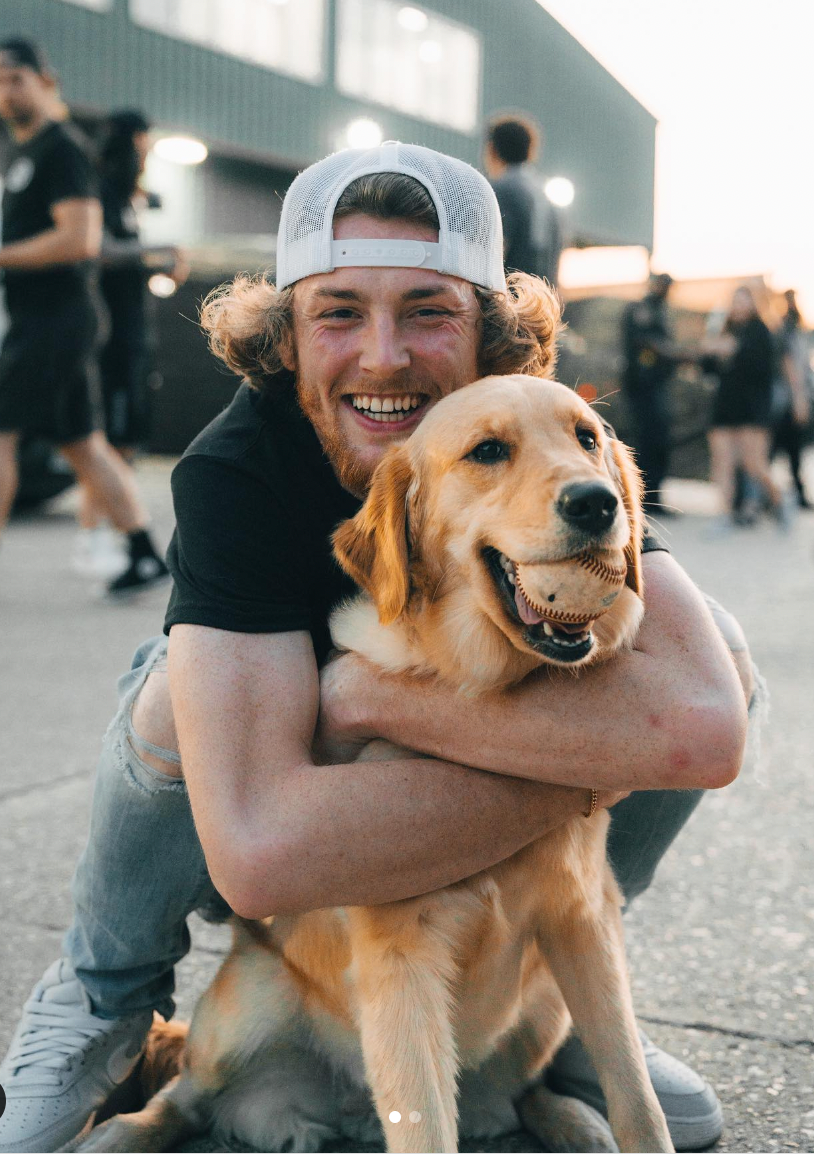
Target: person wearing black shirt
[532,224]
[125,357]
[744,362]
[208,794]
[650,358]
[51,234]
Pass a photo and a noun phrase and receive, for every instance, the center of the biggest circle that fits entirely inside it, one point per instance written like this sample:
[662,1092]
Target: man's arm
[670,714]
[76,236]
[282,835]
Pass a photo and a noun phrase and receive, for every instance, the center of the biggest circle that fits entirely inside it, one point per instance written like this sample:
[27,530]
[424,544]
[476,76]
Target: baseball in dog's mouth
[558,640]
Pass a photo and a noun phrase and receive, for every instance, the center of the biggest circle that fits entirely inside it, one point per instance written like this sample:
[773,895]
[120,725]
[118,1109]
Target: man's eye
[489,452]
[587,439]
[338,315]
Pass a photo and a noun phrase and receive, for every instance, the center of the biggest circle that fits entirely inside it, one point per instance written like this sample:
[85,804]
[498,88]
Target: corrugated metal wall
[596,133]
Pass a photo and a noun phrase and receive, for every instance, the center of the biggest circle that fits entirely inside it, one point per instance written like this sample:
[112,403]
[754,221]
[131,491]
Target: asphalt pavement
[722,945]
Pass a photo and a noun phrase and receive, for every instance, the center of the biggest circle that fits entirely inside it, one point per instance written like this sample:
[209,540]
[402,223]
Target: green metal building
[278,81]
[271,85]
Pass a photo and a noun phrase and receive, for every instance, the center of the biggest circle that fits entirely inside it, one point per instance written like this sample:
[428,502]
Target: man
[650,358]
[51,231]
[386,301]
[532,228]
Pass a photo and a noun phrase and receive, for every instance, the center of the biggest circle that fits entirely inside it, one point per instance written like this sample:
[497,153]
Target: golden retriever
[445,1008]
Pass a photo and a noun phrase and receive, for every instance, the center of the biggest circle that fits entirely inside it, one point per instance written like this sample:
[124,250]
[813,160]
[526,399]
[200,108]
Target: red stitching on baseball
[612,573]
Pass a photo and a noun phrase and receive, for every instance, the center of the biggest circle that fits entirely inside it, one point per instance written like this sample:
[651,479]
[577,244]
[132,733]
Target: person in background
[650,357]
[532,225]
[124,359]
[51,234]
[743,360]
[795,405]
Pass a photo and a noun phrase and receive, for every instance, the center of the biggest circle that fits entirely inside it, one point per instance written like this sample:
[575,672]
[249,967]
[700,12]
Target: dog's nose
[589,507]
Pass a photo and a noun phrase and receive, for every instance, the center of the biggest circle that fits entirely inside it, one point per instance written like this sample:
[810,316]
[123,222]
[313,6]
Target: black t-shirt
[255,503]
[645,329]
[53,166]
[532,228]
[123,285]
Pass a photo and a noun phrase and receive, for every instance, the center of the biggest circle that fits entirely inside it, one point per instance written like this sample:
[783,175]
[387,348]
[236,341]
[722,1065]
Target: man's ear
[372,546]
[628,477]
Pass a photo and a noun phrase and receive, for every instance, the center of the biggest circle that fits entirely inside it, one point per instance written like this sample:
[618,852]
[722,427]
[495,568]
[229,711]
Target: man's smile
[375,410]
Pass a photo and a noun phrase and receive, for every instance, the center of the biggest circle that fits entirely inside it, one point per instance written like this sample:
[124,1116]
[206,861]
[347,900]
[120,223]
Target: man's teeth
[386,409]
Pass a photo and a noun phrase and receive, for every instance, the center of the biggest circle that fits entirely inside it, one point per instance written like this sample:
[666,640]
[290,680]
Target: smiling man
[390,295]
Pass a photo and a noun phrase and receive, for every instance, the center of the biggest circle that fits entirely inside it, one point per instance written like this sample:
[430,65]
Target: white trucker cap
[470,237]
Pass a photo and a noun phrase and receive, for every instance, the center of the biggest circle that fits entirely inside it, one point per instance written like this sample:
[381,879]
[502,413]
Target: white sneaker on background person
[63,1063]
[99,552]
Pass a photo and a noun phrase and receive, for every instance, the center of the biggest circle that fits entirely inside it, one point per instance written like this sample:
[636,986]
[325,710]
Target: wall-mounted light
[364,133]
[412,19]
[560,191]
[430,52]
[181,149]
[161,285]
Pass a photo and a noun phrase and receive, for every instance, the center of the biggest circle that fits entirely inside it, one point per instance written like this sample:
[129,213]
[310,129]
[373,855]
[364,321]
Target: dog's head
[478,529]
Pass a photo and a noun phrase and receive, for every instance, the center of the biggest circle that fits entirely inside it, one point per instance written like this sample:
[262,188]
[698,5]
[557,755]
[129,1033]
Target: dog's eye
[587,439]
[489,452]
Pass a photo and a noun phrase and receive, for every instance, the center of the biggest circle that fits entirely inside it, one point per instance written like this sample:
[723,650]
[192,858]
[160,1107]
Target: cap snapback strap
[385,254]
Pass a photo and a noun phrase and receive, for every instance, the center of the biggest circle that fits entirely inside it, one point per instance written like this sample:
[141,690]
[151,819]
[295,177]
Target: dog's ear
[628,477]
[372,546]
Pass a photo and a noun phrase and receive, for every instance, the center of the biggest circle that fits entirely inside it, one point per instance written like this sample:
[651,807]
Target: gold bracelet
[594,799]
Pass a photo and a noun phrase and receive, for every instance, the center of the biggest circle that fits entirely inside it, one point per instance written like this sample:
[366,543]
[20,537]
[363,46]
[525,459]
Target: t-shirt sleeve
[234,556]
[70,174]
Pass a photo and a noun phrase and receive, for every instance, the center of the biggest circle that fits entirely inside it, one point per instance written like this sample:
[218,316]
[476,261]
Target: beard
[352,474]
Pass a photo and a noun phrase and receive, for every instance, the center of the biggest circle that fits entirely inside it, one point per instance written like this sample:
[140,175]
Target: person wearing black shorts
[51,235]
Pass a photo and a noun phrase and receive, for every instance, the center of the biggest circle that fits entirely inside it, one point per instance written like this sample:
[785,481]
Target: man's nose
[384,351]
[588,506]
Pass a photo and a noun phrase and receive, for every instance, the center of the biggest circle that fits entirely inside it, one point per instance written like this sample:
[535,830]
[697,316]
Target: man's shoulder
[257,433]
[65,139]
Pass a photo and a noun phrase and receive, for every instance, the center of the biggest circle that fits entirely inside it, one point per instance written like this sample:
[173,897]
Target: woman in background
[743,360]
[125,356]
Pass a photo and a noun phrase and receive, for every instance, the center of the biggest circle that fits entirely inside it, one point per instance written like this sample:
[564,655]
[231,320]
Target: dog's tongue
[527,614]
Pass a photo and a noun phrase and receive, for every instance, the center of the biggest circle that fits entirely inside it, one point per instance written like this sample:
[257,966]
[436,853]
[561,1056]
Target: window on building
[284,35]
[96,5]
[409,59]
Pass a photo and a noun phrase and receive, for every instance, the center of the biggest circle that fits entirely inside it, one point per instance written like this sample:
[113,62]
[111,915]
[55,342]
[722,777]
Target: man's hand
[335,739]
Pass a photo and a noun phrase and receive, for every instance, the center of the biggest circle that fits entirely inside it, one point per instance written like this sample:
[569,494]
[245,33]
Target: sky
[732,85]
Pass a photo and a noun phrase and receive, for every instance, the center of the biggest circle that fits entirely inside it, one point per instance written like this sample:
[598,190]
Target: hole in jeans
[152,727]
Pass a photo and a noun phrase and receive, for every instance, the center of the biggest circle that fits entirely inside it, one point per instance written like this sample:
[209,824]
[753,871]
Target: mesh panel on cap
[470,236]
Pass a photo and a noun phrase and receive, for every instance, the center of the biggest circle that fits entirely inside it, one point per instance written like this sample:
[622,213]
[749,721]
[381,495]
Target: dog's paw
[565,1124]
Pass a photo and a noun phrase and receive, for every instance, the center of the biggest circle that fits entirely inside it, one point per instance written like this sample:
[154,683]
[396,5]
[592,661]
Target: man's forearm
[373,832]
[669,714]
[47,249]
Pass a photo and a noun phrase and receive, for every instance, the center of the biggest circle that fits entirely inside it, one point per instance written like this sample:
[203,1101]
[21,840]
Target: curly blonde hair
[250,323]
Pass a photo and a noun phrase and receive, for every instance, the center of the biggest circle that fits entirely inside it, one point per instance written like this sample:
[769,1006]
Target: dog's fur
[469,991]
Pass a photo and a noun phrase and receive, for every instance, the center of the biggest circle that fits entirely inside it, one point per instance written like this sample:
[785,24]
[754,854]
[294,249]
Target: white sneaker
[98,552]
[63,1063]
